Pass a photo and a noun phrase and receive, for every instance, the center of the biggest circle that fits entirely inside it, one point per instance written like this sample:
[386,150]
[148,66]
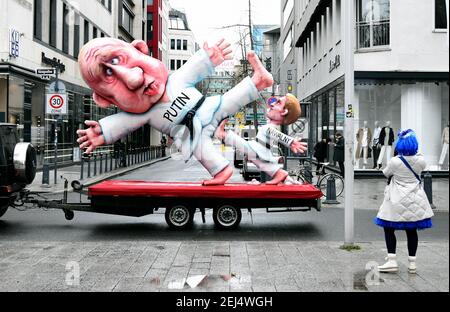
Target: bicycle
[303,174]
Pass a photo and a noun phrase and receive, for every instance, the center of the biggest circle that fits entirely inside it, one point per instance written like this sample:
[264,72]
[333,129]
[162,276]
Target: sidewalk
[221,266]
[72,173]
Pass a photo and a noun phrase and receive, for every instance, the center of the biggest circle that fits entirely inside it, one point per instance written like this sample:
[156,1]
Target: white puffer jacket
[404,199]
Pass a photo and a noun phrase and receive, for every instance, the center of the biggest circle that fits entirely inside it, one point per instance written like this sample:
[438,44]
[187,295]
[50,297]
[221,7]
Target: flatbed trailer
[181,200]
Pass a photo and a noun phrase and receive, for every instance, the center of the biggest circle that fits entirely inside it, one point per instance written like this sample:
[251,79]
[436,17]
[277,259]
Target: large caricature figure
[285,111]
[122,74]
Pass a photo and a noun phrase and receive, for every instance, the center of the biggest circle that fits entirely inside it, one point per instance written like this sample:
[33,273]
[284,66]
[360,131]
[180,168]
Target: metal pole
[56,128]
[349,40]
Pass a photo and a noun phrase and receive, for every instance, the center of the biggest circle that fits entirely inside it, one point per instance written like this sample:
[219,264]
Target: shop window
[373,23]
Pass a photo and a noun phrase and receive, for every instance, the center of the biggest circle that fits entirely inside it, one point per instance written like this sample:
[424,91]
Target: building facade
[49,34]
[401,73]
[182,44]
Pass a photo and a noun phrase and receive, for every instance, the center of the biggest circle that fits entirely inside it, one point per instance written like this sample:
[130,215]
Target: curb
[111,175]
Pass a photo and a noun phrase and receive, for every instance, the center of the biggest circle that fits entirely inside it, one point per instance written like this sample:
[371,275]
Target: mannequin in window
[444,147]
[386,140]
[376,144]
[364,140]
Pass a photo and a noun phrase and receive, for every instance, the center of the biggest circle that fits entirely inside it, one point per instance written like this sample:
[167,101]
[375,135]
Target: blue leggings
[391,241]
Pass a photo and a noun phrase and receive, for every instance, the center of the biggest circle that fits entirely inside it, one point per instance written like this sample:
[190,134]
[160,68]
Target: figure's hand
[91,138]
[218,53]
[298,147]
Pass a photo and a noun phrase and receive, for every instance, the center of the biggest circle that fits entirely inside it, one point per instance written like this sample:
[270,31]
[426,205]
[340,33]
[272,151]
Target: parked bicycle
[303,173]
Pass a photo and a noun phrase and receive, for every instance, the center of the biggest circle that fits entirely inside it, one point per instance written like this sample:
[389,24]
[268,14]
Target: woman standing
[320,153]
[406,206]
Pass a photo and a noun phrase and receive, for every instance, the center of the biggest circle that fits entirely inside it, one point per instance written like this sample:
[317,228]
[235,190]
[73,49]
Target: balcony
[373,34]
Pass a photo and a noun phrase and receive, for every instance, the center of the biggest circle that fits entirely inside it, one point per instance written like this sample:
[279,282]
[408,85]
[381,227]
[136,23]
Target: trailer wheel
[227,217]
[69,215]
[179,217]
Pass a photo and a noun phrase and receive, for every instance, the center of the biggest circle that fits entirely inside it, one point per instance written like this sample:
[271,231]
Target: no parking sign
[56,104]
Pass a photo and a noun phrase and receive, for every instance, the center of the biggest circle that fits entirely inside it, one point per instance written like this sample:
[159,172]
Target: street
[327,225]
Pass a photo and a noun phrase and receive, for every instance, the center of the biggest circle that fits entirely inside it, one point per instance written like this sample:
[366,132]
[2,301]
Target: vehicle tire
[179,217]
[227,217]
[339,183]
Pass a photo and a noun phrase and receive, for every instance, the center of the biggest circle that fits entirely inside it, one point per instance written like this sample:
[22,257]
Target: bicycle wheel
[339,183]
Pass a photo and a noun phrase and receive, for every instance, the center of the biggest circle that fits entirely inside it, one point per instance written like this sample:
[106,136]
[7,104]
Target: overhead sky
[205,16]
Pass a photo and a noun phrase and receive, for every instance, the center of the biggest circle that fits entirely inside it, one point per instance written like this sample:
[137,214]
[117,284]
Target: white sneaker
[412,269]
[391,266]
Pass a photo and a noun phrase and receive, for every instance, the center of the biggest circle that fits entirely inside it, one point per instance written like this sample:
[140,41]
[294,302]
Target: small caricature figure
[284,111]
[124,75]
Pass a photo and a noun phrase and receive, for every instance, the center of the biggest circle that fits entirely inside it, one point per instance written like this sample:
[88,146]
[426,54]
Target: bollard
[95,165]
[428,187]
[82,168]
[101,163]
[89,166]
[331,192]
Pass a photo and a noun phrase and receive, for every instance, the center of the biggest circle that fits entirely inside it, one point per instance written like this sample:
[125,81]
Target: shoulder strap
[411,169]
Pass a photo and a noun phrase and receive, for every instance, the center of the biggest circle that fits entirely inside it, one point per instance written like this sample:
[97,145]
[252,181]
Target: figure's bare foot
[221,178]
[261,78]
[279,177]
[220,131]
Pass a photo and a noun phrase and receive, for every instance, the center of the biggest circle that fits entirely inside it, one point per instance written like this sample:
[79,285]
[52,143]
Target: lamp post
[349,40]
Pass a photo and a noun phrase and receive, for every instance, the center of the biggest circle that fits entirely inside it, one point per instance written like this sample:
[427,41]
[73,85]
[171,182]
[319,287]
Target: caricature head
[122,74]
[285,111]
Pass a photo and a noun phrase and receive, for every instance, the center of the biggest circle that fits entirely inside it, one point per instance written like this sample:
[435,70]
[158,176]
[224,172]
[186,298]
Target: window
[440,14]
[172,44]
[373,25]
[76,36]
[65,39]
[287,11]
[86,32]
[178,44]
[185,45]
[38,19]
[94,32]
[178,64]
[149,26]
[172,65]
[52,34]
[127,20]
[287,44]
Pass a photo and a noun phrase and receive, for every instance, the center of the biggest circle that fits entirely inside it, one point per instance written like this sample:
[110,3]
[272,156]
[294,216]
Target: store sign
[56,104]
[14,43]
[53,62]
[335,63]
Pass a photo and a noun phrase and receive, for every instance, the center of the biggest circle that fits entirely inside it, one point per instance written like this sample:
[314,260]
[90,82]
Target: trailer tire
[227,217]
[179,217]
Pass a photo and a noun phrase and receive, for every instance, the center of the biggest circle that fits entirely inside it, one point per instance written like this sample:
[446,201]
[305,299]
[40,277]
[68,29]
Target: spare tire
[24,163]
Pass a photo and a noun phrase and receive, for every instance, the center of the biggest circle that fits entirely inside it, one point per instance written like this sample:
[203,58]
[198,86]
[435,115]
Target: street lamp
[349,40]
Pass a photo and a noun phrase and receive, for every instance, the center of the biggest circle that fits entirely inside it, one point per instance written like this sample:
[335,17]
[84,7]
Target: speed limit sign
[56,104]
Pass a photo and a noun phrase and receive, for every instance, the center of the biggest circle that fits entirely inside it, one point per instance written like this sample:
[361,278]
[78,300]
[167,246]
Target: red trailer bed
[196,190]
[181,200]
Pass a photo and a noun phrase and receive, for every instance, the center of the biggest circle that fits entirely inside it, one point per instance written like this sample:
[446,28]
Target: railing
[103,162]
[373,34]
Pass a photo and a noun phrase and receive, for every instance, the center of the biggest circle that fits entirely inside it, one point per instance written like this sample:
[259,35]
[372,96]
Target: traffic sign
[56,104]
[61,87]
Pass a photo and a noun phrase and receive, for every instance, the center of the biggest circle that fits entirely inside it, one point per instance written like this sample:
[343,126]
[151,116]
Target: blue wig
[407,144]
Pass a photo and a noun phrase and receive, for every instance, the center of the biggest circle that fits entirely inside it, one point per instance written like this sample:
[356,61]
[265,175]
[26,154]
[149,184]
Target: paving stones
[227,266]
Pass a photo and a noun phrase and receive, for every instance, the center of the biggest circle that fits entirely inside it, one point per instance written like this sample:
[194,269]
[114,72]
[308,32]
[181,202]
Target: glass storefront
[382,108]
[22,102]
